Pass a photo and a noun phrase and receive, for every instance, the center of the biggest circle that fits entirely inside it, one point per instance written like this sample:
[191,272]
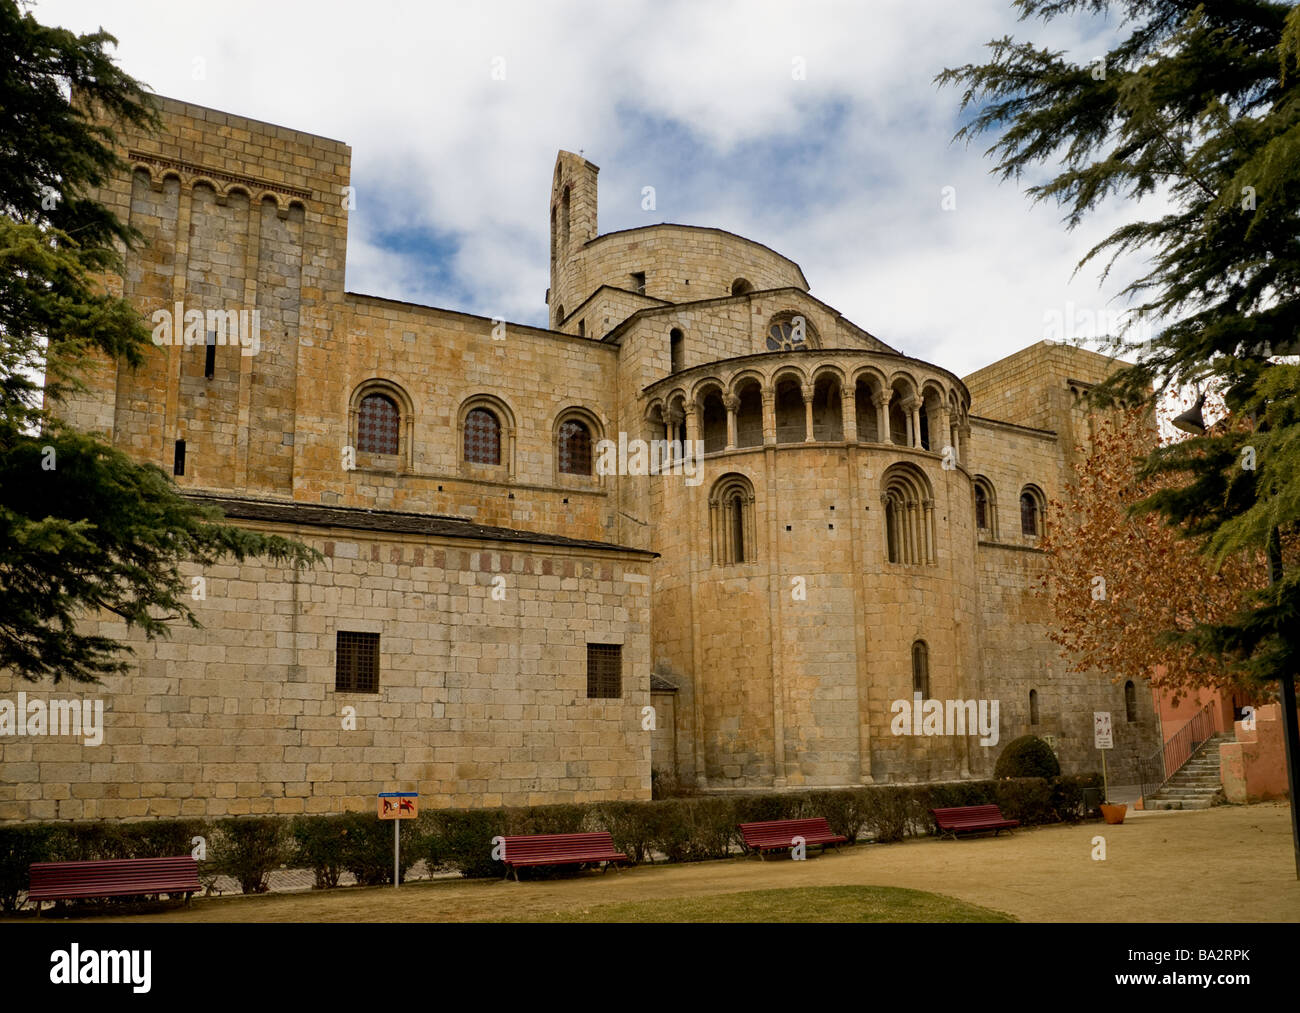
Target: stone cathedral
[835,526]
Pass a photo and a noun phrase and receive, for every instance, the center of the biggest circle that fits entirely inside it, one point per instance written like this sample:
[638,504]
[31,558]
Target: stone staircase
[1198,785]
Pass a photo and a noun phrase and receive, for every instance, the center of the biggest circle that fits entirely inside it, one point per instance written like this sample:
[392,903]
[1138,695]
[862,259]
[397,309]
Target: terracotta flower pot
[1113,813]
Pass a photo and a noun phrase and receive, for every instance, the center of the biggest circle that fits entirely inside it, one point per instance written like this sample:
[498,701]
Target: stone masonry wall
[482,702]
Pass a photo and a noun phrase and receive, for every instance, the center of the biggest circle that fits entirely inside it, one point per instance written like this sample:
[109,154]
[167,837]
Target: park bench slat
[117,877]
[559,849]
[776,835]
[953,820]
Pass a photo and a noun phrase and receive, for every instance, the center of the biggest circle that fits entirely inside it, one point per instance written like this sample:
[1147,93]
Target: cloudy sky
[843,170]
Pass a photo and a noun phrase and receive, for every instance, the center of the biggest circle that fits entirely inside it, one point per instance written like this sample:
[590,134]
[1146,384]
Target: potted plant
[1113,812]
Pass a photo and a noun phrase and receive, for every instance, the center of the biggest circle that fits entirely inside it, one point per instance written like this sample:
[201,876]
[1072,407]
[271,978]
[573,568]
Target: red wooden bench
[776,835]
[559,849]
[971,819]
[118,877]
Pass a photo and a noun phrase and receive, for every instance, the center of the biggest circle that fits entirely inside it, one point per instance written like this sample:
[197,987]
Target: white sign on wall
[1101,732]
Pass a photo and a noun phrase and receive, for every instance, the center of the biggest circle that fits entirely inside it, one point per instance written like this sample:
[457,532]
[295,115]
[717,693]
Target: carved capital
[731,402]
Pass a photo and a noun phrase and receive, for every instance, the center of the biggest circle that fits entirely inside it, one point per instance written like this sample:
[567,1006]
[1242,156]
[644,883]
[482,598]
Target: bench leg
[39,904]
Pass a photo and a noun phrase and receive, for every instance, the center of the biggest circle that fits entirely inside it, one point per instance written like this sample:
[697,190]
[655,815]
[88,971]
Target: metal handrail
[1184,743]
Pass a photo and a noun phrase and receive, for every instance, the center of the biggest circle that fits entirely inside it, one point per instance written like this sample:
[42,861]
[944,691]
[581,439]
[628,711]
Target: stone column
[910,554]
[673,417]
[808,391]
[692,430]
[963,437]
[769,417]
[732,404]
[849,413]
[928,531]
[913,408]
[881,400]
[941,434]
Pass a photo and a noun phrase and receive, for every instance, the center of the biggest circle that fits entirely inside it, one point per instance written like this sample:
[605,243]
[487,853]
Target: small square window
[356,662]
[604,671]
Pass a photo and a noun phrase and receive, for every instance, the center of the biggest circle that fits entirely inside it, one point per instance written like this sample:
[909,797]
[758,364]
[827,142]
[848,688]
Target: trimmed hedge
[249,849]
[688,829]
[1027,756]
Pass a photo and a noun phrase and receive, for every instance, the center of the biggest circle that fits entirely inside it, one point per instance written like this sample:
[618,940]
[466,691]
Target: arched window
[482,437]
[564,217]
[380,419]
[985,508]
[676,349]
[741,286]
[909,516]
[713,421]
[1031,512]
[1033,706]
[749,416]
[1130,701]
[574,448]
[791,417]
[736,515]
[921,669]
[731,517]
[378,425]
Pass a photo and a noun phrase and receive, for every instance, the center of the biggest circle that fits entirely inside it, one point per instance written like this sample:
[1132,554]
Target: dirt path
[1232,863]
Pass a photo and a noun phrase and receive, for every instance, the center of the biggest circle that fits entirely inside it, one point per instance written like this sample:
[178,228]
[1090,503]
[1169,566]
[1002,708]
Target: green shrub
[1027,756]
[366,847]
[710,828]
[1068,796]
[775,806]
[461,839]
[20,846]
[318,843]
[669,828]
[889,813]
[845,811]
[1027,799]
[630,825]
[549,819]
[954,794]
[249,848]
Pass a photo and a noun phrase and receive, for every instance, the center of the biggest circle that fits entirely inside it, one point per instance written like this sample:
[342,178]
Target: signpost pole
[398,806]
[1103,739]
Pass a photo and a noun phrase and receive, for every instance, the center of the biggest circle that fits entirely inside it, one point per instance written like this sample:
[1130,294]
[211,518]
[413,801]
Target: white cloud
[680,91]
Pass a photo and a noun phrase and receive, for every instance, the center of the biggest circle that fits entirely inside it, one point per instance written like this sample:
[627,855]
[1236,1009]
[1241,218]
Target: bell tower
[573,224]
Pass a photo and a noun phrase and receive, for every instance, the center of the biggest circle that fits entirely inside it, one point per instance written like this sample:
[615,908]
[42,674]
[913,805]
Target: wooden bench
[971,819]
[119,877]
[777,835]
[559,849]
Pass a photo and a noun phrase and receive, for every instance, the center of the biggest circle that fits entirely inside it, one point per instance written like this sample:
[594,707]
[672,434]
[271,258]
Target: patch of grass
[806,904]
